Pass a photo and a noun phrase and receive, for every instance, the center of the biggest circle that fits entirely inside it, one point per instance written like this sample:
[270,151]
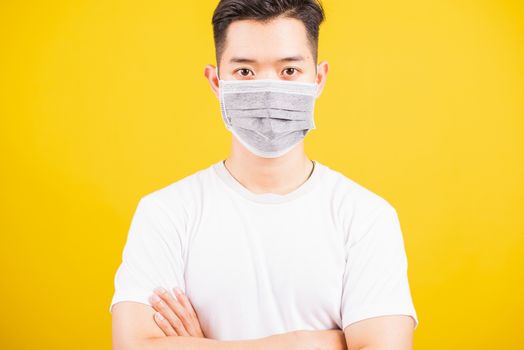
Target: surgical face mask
[269,117]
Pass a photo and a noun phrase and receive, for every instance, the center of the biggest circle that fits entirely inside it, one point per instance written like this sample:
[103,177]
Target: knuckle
[172,305]
[156,302]
[165,296]
[162,307]
[167,328]
[163,325]
[179,325]
[184,314]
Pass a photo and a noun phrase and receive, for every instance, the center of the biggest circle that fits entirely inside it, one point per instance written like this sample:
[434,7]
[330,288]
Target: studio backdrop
[102,102]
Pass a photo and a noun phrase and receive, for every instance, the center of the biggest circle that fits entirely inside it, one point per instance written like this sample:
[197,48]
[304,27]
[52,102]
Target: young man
[271,250]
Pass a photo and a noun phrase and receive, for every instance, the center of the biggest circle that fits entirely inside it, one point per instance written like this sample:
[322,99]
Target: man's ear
[322,71]
[211,75]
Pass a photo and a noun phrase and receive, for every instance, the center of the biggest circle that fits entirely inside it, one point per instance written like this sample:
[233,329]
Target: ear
[322,71]
[211,76]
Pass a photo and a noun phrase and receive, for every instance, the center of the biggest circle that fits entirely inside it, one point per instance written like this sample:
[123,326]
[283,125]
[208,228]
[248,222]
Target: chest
[283,264]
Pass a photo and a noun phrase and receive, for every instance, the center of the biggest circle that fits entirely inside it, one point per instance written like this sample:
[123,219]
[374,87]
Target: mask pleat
[270,116]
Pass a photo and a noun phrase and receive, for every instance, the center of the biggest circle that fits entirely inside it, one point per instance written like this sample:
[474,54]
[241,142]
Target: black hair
[310,12]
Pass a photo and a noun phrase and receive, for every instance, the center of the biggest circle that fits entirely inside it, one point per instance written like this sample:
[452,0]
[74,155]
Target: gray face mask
[269,117]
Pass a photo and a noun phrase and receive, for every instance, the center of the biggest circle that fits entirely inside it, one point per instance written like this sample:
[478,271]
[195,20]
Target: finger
[164,324]
[191,314]
[182,313]
[184,300]
[161,306]
[173,303]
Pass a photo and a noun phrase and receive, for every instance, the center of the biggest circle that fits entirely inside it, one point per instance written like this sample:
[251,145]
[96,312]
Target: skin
[172,322]
[135,327]
[264,45]
[175,316]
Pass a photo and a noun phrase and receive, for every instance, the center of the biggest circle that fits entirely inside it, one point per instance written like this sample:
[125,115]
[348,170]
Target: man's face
[278,49]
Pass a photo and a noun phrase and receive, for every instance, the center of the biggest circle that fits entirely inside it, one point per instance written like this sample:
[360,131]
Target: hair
[310,12]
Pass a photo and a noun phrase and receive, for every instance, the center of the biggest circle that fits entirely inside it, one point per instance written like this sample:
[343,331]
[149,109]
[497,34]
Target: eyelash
[293,68]
[285,69]
[242,69]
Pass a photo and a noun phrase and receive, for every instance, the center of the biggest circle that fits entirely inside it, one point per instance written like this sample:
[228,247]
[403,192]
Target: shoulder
[356,206]
[351,193]
[180,196]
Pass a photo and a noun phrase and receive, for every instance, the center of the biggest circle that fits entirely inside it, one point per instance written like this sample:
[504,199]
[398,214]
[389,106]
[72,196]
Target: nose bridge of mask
[268,99]
[251,95]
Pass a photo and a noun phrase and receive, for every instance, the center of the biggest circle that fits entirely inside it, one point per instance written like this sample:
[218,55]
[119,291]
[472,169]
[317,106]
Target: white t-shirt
[323,256]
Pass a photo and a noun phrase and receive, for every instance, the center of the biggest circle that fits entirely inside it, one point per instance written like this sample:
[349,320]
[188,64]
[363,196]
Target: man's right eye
[244,72]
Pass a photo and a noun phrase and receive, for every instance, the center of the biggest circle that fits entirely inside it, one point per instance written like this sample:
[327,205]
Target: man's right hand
[134,328]
[331,339]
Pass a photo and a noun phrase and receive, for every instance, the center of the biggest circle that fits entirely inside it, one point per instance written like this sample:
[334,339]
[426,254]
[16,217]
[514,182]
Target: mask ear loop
[316,76]
[222,103]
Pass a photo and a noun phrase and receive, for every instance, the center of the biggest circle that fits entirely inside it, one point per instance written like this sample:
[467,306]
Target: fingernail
[159,316]
[178,291]
[160,290]
[155,298]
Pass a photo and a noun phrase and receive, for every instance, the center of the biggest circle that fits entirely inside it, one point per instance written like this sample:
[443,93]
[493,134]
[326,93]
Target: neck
[260,175]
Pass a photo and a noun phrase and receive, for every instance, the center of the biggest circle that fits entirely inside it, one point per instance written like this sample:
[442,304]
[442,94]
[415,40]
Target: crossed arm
[137,326]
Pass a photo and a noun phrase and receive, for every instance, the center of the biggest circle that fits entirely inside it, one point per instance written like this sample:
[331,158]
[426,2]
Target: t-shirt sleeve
[152,255]
[375,281]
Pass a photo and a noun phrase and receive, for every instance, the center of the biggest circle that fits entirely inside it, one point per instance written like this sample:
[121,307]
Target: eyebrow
[249,60]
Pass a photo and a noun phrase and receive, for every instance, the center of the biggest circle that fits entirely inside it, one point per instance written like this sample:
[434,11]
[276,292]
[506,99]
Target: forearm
[283,341]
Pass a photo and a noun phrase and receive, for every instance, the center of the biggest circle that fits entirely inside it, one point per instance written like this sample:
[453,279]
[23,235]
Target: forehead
[266,41]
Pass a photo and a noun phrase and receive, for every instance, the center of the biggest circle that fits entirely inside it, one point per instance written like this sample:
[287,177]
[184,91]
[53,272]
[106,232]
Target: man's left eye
[290,70]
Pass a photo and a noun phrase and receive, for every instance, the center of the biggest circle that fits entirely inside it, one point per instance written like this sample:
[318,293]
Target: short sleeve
[375,281]
[152,256]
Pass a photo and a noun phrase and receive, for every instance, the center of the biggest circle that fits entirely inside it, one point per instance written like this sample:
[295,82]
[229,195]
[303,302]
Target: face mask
[269,117]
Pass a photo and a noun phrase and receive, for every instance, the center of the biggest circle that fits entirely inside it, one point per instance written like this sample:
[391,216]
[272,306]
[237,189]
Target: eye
[244,72]
[289,71]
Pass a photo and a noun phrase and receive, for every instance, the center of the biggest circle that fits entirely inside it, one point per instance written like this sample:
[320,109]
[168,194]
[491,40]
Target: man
[269,249]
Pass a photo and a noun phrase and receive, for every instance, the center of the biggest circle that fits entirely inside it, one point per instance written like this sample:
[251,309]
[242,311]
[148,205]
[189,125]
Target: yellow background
[105,101]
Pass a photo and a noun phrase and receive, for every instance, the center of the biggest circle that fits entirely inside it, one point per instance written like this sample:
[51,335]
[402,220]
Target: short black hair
[310,12]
